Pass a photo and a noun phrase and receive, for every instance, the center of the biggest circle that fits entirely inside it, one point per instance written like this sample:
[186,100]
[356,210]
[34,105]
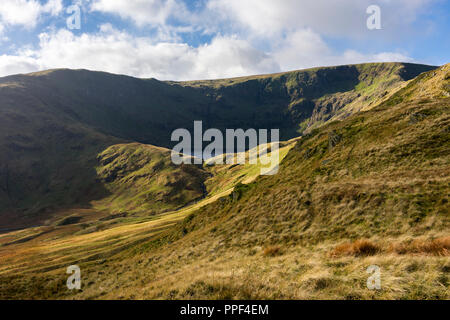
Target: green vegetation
[369,189]
[53,124]
[142,178]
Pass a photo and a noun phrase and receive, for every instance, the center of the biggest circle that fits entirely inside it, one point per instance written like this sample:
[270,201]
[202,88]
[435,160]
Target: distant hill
[143,177]
[54,124]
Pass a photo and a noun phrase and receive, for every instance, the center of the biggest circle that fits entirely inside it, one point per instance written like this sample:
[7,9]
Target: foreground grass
[296,272]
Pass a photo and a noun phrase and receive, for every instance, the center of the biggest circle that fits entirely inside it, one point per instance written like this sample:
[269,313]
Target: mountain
[371,189]
[380,172]
[55,124]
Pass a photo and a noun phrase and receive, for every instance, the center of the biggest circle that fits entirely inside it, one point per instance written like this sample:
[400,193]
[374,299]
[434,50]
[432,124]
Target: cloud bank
[246,37]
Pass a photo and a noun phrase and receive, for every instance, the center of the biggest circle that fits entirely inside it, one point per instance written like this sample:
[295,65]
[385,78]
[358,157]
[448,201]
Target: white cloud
[343,18]
[301,49]
[17,64]
[292,35]
[116,51]
[143,12]
[231,57]
[54,7]
[305,49]
[352,56]
[20,12]
[27,12]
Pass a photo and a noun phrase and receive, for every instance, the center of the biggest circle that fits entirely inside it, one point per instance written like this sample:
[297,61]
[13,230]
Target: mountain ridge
[54,124]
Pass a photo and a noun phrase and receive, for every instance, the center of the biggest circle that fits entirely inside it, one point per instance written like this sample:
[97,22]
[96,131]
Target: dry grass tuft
[321,283]
[436,247]
[362,247]
[272,251]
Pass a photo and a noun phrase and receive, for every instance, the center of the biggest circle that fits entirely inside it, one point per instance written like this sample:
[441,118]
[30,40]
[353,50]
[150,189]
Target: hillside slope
[383,171]
[143,178]
[382,175]
[372,189]
[53,124]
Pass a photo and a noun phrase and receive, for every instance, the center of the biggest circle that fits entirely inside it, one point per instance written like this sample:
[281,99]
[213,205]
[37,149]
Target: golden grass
[358,248]
[435,247]
[272,251]
[300,273]
[226,176]
[375,184]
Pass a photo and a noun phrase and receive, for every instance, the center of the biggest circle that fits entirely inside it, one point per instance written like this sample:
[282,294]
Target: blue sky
[205,39]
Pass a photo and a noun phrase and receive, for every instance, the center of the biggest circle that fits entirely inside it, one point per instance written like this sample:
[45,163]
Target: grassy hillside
[372,189]
[225,177]
[143,178]
[53,124]
[385,170]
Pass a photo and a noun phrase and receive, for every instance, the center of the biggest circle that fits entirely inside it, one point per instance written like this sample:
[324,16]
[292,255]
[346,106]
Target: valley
[86,178]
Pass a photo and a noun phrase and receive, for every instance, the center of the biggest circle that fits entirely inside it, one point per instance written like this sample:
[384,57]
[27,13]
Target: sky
[209,39]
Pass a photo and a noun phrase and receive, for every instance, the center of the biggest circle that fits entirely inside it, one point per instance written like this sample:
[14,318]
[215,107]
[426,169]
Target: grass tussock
[358,248]
[439,247]
[436,247]
[272,251]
